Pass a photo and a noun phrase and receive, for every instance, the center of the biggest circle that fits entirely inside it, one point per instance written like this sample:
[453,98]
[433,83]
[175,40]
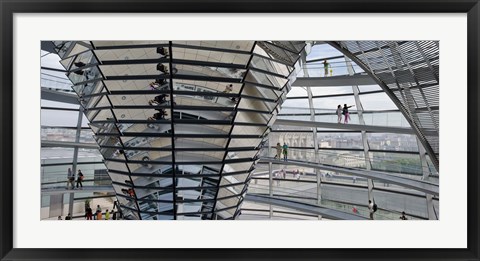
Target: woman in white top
[339,113]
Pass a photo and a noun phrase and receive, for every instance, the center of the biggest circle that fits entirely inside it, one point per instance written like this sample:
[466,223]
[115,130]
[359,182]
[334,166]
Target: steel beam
[357,127]
[419,132]
[341,80]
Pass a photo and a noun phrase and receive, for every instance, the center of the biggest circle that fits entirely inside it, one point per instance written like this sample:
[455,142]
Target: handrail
[63,182]
[295,194]
[305,207]
[353,157]
[429,188]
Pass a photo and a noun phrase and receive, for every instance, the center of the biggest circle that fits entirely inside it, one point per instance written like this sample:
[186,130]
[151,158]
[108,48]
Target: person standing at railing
[79,178]
[370,209]
[285,151]
[229,89]
[403,217]
[98,213]
[88,214]
[70,178]
[325,67]
[296,174]
[277,177]
[115,205]
[339,113]
[345,112]
[279,151]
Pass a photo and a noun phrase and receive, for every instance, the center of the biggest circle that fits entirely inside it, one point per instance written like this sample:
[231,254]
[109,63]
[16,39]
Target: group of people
[158,100]
[71,179]
[282,174]
[343,111]
[162,98]
[68,217]
[98,215]
[281,149]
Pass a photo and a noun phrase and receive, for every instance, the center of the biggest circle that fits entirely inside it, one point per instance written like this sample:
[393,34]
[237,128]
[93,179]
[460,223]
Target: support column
[425,176]
[314,131]
[430,208]
[361,120]
[75,157]
[423,160]
[172,121]
[270,187]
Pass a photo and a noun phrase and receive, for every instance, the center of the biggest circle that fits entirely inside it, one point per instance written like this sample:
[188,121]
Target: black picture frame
[10,7]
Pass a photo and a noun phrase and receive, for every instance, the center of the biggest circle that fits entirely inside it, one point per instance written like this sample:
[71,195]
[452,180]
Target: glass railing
[62,47]
[56,175]
[279,188]
[87,182]
[356,159]
[226,101]
[55,82]
[64,134]
[334,68]
[308,175]
[302,194]
[55,170]
[374,118]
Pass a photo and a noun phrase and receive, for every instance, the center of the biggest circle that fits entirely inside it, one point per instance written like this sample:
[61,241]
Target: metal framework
[429,188]
[408,73]
[188,172]
[179,124]
[410,58]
